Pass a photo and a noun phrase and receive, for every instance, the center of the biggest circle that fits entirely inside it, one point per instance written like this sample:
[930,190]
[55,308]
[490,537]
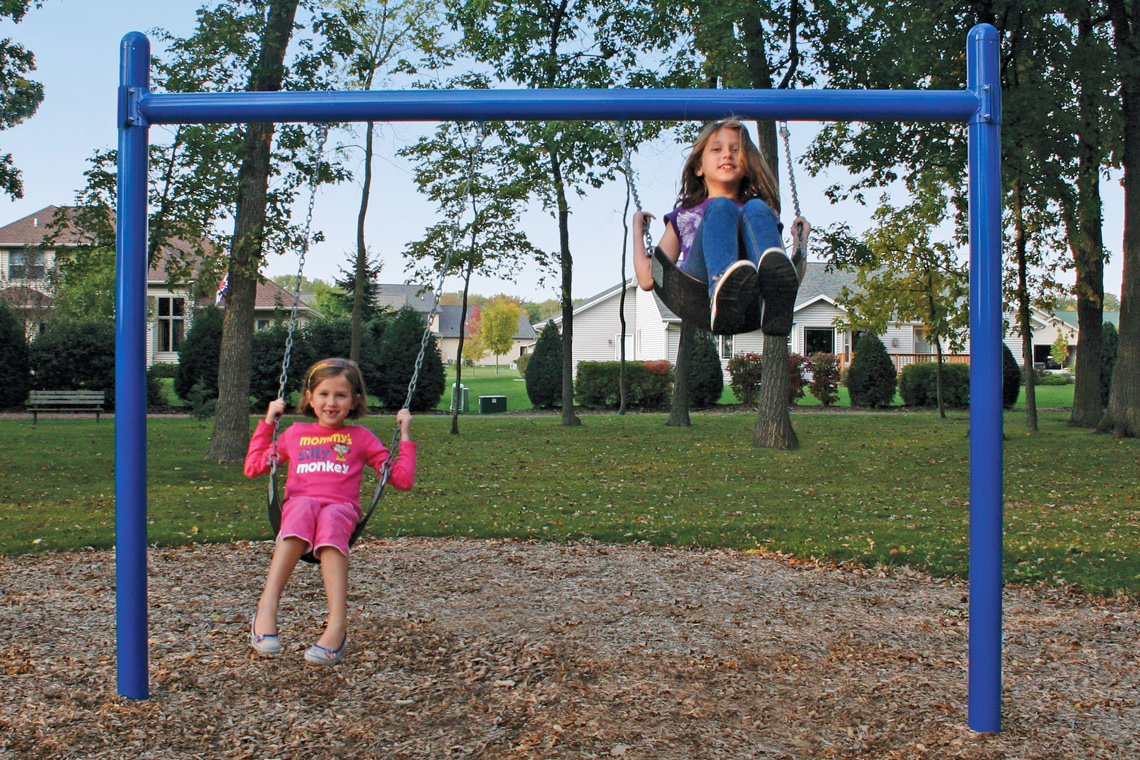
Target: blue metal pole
[566,105]
[985,667]
[130,372]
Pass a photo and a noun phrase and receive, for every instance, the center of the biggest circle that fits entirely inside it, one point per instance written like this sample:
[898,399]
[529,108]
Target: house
[1046,327]
[446,324]
[653,331]
[28,253]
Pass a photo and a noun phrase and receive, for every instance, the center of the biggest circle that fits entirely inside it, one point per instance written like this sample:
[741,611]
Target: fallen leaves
[516,650]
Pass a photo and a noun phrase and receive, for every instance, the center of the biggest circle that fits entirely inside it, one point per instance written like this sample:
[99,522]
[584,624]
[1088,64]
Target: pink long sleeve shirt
[327,465]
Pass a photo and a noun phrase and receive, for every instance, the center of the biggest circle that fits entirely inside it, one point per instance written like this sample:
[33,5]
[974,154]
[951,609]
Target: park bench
[65,401]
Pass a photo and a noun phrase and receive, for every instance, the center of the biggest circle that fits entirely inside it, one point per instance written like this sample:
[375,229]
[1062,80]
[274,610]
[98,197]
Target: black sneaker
[735,299]
[779,282]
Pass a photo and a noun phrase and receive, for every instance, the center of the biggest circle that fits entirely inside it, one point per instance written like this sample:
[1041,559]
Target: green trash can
[492,404]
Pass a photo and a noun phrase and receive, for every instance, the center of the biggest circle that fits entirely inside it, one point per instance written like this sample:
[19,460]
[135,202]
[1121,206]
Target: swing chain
[322,138]
[786,134]
[627,169]
[469,188]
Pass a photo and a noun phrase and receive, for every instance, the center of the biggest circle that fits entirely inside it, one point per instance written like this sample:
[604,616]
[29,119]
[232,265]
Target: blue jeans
[728,233]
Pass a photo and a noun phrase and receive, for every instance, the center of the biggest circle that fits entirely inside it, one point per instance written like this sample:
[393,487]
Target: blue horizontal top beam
[557,105]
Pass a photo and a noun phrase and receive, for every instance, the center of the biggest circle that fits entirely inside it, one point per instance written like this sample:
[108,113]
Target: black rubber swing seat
[687,296]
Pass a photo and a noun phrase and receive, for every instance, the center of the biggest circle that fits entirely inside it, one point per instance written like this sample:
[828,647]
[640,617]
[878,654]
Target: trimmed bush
[647,384]
[398,351]
[14,379]
[706,376]
[1108,348]
[824,377]
[155,393]
[1055,378]
[264,373]
[872,378]
[75,356]
[796,380]
[1010,378]
[917,385]
[544,372]
[198,355]
[329,338]
[744,372]
[522,362]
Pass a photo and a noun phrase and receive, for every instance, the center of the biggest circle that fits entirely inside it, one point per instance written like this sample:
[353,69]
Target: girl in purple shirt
[326,462]
[726,232]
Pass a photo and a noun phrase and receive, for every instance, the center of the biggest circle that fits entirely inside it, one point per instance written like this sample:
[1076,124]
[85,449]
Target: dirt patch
[509,649]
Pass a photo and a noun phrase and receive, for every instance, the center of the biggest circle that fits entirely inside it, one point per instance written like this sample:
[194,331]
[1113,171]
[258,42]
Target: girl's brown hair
[758,180]
[323,370]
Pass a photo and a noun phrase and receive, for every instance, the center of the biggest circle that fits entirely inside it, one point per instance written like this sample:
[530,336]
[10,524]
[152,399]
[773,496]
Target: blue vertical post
[130,372]
[985,383]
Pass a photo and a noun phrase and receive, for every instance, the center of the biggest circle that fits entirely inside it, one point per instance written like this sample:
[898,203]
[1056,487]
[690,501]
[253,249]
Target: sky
[76,44]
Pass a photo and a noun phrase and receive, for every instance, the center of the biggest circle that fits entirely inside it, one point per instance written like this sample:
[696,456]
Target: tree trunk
[567,263]
[1020,244]
[1088,253]
[361,280]
[230,438]
[679,410]
[1122,417]
[459,351]
[773,422]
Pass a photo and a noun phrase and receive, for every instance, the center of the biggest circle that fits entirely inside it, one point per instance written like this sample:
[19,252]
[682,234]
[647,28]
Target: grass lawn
[871,488]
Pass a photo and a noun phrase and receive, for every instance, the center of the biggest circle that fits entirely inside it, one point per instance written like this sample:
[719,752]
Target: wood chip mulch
[520,650]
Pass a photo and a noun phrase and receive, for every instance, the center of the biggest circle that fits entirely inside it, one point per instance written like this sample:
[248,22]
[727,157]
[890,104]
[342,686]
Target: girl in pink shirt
[326,462]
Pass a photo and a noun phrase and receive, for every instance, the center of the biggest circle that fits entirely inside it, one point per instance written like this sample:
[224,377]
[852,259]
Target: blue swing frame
[978,105]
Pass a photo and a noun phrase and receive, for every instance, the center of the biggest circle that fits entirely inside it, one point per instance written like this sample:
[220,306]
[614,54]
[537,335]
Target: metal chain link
[627,167]
[786,134]
[453,244]
[322,138]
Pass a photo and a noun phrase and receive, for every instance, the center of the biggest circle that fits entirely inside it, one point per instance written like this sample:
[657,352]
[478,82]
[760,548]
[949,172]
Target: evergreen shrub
[198,355]
[647,384]
[706,375]
[77,355]
[266,354]
[1010,378]
[1110,341]
[544,372]
[399,349]
[918,385]
[872,378]
[14,379]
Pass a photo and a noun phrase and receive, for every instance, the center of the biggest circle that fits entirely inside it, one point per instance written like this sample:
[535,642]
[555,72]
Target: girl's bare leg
[285,557]
[334,572]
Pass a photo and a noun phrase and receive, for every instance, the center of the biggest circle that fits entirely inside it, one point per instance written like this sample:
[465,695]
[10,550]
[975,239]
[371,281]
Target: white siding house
[653,331]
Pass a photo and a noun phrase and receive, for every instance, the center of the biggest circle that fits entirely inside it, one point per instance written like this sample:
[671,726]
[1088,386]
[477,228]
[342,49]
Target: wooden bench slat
[65,401]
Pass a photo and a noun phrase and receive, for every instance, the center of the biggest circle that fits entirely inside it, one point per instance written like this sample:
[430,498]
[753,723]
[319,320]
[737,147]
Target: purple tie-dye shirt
[686,221]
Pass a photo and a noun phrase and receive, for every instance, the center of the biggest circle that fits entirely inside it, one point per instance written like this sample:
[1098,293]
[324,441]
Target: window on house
[171,322]
[262,324]
[819,340]
[725,346]
[26,265]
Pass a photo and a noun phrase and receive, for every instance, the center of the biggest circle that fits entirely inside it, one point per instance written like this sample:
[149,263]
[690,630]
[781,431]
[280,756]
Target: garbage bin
[460,394]
[492,404]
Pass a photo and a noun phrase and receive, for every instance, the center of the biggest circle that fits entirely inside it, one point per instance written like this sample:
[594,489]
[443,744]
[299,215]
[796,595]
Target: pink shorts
[317,524]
